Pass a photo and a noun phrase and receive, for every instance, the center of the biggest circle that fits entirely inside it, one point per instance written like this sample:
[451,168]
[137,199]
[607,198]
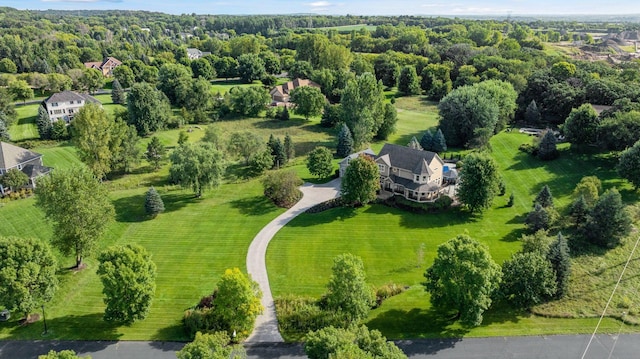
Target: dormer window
[417,178]
[381,167]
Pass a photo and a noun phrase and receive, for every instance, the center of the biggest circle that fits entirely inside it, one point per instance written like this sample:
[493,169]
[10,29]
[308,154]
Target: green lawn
[300,256]
[25,127]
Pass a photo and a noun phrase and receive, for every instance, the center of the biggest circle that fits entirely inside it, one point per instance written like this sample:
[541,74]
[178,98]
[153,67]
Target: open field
[25,127]
[388,240]
[348,28]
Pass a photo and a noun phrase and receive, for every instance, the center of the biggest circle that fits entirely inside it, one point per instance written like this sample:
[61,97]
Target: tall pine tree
[4,131]
[427,140]
[561,264]
[544,197]
[43,123]
[117,93]
[345,142]
[289,148]
[547,149]
[153,204]
[439,142]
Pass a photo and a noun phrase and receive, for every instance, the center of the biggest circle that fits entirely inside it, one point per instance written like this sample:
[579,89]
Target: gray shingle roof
[407,158]
[34,171]
[11,155]
[66,96]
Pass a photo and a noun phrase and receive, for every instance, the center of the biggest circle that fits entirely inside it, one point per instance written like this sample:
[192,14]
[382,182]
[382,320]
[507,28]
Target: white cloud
[81,1]
[320,4]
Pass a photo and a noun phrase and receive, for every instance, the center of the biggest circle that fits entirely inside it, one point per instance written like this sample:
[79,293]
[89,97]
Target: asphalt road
[625,346]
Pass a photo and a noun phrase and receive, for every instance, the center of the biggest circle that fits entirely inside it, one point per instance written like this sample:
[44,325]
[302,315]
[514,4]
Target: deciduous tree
[155,152]
[353,342]
[245,144]
[581,126]
[361,181]
[308,101]
[629,165]
[250,67]
[348,292]
[527,279]
[80,208]
[14,179]
[479,182]
[211,346]
[319,162]
[20,90]
[28,275]
[148,108]
[408,83]
[463,278]
[237,303]
[92,135]
[128,277]
[282,188]
[362,105]
[197,166]
[388,125]
[63,354]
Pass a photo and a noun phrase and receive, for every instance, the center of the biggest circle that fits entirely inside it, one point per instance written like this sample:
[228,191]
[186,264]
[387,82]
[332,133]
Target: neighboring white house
[66,104]
[29,162]
[194,53]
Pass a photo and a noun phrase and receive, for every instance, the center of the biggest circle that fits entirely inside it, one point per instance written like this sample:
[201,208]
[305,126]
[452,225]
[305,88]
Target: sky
[343,7]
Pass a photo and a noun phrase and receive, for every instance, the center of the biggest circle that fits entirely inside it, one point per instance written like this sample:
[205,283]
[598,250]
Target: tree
[183,138]
[20,90]
[463,278]
[148,108]
[271,62]
[629,165]
[350,343]
[277,151]
[237,302]
[92,134]
[388,125]
[248,101]
[608,222]
[308,101]
[579,211]
[300,69]
[544,197]
[547,149]
[118,95]
[362,105]
[620,131]
[91,80]
[197,165]
[589,187]
[361,181]
[538,219]
[80,208]
[128,276]
[426,141]
[211,346]
[59,131]
[202,68]
[250,67]
[213,135]
[527,279]
[436,81]
[345,142]
[581,126]
[125,151]
[532,113]
[28,276]
[439,142]
[155,152]
[124,75]
[386,70]
[153,204]
[245,144]
[284,115]
[561,264]
[174,80]
[319,162]
[408,83]
[14,179]
[7,66]
[348,292]
[289,148]
[4,131]
[479,182]
[43,123]
[282,188]
[63,354]
[261,161]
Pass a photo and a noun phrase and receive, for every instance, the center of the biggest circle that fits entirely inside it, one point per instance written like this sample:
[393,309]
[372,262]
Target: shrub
[387,291]
[299,315]
[282,188]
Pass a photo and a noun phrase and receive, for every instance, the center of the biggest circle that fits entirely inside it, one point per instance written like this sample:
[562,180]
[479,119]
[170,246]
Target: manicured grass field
[25,128]
[300,257]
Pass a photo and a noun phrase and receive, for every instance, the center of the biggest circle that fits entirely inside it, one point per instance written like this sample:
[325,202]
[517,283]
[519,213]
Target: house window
[424,178]
[381,167]
[20,167]
[57,112]
[55,104]
[70,110]
[71,102]
[417,178]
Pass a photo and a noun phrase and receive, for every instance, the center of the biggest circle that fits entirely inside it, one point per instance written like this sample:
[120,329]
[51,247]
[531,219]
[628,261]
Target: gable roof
[416,161]
[286,88]
[368,151]
[66,96]
[100,64]
[113,60]
[12,155]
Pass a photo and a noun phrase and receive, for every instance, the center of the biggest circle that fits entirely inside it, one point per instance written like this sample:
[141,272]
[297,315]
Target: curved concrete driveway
[266,329]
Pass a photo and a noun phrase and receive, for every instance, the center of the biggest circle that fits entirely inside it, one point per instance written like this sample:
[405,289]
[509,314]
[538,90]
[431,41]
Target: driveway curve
[266,328]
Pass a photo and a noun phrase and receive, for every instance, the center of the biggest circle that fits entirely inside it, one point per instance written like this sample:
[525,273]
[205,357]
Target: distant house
[415,174]
[280,93]
[106,66]
[66,104]
[29,162]
[345,161]
[194,53]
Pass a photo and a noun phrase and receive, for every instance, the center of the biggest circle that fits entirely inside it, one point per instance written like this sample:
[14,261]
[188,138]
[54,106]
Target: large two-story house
[412,173]
[29,162]
[106,66]
[66,104]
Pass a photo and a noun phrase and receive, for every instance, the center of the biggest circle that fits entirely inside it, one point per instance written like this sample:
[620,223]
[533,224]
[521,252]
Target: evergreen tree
[561,264]
[579,211]
[277,151]
[345,142]
[538,219]
[183,138]
[285,115]
[511,200]
[547,149]
[408,83]
[153,204]
[4,131]
[117,93]
[532,114]
[155,152]
[427,141]
[439,142]
[388,125]
[414,144]
[43,123]
[608,222]
[544,197]
[289,148]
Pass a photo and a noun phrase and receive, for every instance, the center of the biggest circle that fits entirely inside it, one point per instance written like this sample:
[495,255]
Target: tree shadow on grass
[324,217]
[514,235]
[451,217]
[166,337]
[70,327]
[131,209]
[254,206]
